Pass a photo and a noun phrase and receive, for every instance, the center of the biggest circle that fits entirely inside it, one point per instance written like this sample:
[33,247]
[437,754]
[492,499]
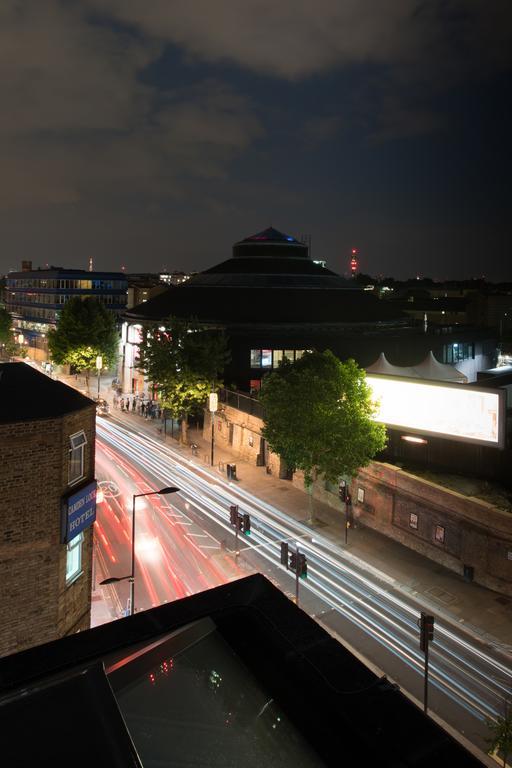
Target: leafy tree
[183,359]
[501,733]
[85,330]
[8,346]
[318,416]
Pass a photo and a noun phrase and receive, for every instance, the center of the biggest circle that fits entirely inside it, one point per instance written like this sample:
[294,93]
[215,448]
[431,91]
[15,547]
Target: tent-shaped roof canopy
[382,365]
[429,368]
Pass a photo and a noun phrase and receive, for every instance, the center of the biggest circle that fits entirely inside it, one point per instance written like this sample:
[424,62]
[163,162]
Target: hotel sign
[78,512]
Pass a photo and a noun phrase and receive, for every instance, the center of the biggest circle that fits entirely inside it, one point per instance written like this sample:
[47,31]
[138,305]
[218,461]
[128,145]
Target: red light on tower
[354,262]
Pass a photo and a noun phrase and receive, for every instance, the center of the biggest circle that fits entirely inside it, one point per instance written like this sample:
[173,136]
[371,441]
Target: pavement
[484,613]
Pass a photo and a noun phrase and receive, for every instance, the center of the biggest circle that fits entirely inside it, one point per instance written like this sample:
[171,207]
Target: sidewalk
[483,612]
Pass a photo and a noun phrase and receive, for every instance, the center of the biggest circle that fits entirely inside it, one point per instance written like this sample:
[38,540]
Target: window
[255,358]
[266,358]
[360,495]
[413,521]
[439,534]
[288,354]
[76,456]
[74,558]
[456,353]
[278,356]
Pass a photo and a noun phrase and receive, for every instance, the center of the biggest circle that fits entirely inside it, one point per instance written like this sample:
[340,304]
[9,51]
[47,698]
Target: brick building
[47,506]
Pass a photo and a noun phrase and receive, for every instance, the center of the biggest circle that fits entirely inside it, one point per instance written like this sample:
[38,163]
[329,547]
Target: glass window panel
[74,558]
[298,353]
[255,358]
[266,358]
[288,354]
[278,356]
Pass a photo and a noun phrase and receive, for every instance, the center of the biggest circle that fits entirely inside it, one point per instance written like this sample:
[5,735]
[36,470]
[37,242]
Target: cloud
[296,38]
[78,121]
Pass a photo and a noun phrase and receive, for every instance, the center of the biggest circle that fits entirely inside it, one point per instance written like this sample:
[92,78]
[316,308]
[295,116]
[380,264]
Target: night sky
[156,133]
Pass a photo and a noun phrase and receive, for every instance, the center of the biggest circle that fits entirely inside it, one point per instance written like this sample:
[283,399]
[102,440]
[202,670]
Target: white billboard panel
[448,410]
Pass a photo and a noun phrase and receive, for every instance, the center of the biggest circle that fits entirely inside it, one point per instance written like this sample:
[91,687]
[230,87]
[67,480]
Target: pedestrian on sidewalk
[142,407]
[121,403]
[134,403]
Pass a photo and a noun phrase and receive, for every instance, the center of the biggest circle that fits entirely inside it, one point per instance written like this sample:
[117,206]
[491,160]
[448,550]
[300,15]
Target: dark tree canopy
[184,360]
[5,326]
[85,330]
[318,416]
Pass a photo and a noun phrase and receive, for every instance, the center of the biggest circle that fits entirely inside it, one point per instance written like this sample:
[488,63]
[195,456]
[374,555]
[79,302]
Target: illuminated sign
[470,414]
[78,512]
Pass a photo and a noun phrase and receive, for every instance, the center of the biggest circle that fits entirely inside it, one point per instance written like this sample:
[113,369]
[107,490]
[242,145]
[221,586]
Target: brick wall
[36,605]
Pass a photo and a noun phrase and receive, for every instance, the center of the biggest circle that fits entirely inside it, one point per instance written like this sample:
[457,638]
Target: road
[184,544]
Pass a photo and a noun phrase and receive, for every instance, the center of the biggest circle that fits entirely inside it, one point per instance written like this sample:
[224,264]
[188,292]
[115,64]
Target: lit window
[76,456]
[74,558]
[298,353]
[266,358]
[255,358]
[278,356]
[288,354]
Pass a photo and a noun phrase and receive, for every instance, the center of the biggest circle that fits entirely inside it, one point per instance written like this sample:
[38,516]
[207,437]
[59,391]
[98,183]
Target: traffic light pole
[236,542]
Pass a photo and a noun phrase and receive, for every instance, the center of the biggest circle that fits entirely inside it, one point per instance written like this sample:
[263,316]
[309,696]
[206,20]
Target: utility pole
[426,625]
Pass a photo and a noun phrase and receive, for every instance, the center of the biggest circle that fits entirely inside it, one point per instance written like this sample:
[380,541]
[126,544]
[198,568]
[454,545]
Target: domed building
[275,302]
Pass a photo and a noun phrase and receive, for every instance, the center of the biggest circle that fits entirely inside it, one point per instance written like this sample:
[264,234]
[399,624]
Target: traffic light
[342,490]
[293,560]
[284,553]
[426,630]
[246,524]
[233,514]
[302,565]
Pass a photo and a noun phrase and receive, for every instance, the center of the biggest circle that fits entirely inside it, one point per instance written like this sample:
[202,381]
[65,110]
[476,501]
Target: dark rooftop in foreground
[28,395]
[236,675]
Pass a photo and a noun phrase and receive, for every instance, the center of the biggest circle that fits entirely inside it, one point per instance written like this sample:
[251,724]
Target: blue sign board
[78,511]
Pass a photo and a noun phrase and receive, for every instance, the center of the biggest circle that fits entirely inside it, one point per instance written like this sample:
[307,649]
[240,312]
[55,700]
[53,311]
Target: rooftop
[28,395]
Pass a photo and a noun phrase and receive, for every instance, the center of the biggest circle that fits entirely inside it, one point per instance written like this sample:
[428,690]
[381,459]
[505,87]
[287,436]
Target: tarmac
[484,613]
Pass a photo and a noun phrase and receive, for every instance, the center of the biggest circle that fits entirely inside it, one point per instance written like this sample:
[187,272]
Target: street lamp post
[99,366]
[213,404]
[131,577]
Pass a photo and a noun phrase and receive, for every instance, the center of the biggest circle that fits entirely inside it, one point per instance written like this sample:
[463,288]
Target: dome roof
[270,244]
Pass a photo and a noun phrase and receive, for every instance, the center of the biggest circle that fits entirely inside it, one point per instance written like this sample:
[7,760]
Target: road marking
[208,546]
[200,535]
[183,522]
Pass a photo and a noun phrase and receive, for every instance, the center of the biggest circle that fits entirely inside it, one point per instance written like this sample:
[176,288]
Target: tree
[8,346]
[85,330]
[501,733]
[184,360]
[318,416]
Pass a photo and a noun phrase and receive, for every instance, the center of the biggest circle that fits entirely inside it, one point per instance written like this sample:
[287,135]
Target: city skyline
[161,135]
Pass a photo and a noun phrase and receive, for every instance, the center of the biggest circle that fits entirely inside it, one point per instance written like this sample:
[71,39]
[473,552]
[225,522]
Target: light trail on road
[353,600]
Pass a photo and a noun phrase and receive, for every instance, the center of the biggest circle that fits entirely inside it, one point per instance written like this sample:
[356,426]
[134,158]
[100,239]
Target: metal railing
[242,402]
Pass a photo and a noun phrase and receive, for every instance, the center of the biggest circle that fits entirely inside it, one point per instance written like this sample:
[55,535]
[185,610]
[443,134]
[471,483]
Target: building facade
[35,299]
[47,507]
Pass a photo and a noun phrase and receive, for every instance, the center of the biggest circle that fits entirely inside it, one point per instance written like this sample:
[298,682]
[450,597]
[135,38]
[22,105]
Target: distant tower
[354,262]
[90,264]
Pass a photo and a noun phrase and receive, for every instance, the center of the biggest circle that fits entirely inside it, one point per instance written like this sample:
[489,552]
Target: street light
[99,366]
[131,576]
[213,404]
